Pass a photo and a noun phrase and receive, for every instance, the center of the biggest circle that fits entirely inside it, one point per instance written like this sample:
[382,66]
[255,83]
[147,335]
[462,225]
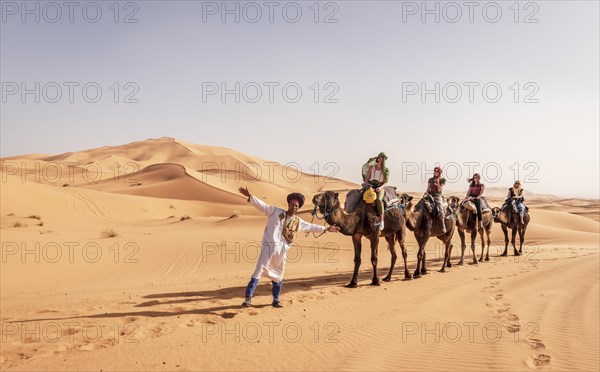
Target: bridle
[326,214]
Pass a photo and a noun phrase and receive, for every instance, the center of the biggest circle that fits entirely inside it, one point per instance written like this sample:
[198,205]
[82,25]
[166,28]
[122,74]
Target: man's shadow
[211,296]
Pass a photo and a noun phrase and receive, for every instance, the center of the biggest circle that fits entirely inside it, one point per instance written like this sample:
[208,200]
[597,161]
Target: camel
[420,220]
[511,220]
[466,221]
[359,223]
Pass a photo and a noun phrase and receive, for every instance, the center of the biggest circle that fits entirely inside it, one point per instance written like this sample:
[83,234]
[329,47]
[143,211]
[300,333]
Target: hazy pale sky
[511,89]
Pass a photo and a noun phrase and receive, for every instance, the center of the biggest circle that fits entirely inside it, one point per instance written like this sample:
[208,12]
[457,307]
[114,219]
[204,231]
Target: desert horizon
[145,269]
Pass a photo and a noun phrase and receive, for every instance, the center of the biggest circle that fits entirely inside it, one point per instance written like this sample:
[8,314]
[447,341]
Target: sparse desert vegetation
[109,233]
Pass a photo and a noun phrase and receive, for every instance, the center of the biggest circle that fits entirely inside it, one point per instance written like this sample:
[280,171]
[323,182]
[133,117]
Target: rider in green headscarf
[377,175]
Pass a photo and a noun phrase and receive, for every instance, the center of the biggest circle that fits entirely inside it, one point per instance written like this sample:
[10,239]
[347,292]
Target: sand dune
[149,275]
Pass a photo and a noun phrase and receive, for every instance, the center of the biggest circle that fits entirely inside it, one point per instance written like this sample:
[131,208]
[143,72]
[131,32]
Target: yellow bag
[370,196]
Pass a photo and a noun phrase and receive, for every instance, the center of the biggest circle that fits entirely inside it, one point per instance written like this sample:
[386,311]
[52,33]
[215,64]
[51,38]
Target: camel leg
[407,274]
[489,241]
[356,240]
[513,241]
[392,244]
[374,252]
[482,235]
[420,256]
[473,238]
[505,231]
[521,238]
[423,268]
[447,254]
[463,246]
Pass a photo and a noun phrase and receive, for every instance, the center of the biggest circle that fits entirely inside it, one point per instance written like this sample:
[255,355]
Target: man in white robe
[282,227]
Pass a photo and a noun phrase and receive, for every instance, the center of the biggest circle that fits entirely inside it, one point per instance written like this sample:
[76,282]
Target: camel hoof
[407,276]
[449,264]
[504,254]
[416,275]
[517,254]
[442,270]
[351,285]
[424,272]
[487,258]
[387,279]
[460,263]
[375,282]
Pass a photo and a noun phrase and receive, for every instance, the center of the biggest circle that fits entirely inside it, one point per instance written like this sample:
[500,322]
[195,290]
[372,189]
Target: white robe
[274,247]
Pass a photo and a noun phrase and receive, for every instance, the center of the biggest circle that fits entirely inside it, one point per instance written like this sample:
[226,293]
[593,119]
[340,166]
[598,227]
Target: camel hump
[352,199]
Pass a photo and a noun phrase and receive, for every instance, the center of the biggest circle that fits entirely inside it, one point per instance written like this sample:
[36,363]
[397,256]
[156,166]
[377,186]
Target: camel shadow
[210,297]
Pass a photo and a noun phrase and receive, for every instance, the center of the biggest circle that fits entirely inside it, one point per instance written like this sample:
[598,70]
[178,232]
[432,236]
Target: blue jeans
[276,290]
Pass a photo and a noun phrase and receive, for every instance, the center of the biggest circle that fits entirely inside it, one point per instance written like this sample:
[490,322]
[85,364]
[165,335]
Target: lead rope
[315,213]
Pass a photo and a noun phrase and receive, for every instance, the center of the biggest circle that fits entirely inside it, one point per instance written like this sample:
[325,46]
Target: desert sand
[136,257]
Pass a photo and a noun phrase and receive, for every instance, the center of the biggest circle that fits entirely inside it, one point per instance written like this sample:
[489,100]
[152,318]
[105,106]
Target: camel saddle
[432,207]
[390,199]
[470,206]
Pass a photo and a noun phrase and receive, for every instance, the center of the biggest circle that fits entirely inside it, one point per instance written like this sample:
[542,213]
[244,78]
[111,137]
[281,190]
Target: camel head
[404,198]
[453,203]
[496,214]
[326,202]
[408,201]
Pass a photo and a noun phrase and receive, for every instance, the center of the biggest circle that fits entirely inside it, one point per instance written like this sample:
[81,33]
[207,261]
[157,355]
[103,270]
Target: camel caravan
[377,210]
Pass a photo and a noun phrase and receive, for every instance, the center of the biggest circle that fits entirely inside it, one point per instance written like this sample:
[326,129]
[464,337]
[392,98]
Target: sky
[506,89]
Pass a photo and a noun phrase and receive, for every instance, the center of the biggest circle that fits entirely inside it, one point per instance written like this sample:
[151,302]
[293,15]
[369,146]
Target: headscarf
[372,162]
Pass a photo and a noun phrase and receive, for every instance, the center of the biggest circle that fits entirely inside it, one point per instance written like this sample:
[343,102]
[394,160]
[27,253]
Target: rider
[377,176]
[474,194]
[516,193]
[435,185]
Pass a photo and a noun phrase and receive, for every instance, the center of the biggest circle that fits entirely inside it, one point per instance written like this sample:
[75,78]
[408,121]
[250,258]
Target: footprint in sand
[535,343]
[512,317]
[157,330]
[537,361]
[513,328]
[102,344]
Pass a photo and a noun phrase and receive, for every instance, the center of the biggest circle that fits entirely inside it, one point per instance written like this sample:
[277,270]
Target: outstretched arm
[310,227]
[257,203]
